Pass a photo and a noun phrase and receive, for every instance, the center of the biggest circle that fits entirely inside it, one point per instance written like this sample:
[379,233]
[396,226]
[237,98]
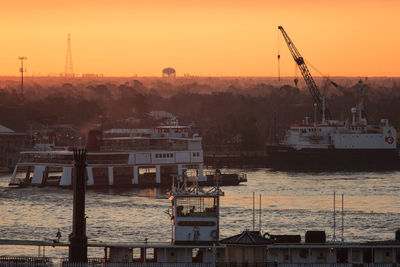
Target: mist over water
[292,203]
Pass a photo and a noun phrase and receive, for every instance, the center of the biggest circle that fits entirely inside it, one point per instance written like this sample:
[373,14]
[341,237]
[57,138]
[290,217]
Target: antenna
[315,114]
[334,216]
[342,217]
[323,109]
[22,73]
[260,216]
[69,72]
[253,212]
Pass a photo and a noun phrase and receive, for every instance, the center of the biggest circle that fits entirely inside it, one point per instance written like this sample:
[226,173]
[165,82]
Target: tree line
[234,115]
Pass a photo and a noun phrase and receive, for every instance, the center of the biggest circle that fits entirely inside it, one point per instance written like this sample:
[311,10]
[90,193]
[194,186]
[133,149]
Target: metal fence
[6,261]
[330,265]
[99,262]
[150,264]
[135,264]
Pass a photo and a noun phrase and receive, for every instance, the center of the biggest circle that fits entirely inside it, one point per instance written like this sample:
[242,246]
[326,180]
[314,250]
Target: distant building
[13,118]
[166,117]
[12,134]
[91,75]
[11,143]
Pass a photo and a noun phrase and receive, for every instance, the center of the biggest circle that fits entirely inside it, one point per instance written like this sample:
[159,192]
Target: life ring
[389,139]
[213,234]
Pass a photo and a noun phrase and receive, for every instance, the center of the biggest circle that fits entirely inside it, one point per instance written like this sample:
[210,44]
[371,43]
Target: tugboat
[333,144]
[125,158]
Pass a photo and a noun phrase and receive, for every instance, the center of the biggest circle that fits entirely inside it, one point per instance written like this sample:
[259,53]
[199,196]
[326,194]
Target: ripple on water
[292,203]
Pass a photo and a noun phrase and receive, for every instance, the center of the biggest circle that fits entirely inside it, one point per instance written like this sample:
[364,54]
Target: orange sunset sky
[207,37]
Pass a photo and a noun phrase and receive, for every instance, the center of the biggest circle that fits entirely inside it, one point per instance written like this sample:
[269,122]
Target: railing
[6,261]
[134,264]
[46,262]
[325,265]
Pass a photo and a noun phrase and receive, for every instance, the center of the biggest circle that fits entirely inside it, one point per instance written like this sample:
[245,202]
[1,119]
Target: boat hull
[288,158]
[226,179]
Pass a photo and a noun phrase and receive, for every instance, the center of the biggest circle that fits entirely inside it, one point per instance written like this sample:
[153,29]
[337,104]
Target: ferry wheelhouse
[123,157]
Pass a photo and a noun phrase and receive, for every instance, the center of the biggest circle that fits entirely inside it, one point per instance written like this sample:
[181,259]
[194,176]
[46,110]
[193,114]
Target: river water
[292,203]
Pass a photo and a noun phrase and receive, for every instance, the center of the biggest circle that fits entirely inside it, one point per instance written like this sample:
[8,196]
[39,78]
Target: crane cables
[324,76]
[279,59]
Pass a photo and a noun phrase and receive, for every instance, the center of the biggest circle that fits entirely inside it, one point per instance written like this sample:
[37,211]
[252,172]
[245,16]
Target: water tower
[169,72]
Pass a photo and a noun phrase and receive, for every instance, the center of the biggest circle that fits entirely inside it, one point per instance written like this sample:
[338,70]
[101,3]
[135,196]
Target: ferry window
[163,155]
[150,255]
[204,206]
[172,155]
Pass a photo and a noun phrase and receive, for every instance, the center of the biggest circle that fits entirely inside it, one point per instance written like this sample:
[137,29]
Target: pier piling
[78,238]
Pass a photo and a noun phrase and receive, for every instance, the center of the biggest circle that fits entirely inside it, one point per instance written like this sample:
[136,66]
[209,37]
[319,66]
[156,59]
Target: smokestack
[93,140]
[78,238]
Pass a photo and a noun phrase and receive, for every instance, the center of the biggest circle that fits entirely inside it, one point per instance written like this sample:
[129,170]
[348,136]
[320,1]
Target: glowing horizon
[202,38]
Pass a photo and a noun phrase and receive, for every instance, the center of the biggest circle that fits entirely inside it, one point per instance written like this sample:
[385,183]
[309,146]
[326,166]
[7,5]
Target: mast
[22,74]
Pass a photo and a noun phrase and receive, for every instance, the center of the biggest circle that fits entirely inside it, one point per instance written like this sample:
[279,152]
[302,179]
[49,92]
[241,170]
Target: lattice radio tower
[69,71]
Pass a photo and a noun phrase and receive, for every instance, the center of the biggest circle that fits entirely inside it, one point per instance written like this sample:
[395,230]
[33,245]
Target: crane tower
[312,86]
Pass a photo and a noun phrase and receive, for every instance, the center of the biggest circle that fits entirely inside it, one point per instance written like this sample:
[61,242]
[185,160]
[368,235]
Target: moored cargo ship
[333,144]
[337,145]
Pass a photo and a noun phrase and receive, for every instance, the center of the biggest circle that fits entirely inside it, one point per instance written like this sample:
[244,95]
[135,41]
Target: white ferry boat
[125,158]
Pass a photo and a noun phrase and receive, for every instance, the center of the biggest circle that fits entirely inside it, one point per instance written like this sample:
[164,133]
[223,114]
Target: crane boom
[312,86]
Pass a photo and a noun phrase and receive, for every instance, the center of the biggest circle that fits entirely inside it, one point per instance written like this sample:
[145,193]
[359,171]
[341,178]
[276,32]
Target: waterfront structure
[195,243]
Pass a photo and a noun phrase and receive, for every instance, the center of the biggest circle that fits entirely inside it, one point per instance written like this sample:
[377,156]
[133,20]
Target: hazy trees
[234,114]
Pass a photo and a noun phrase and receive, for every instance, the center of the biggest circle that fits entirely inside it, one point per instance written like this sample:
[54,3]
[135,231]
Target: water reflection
[155,193]
[292,203]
